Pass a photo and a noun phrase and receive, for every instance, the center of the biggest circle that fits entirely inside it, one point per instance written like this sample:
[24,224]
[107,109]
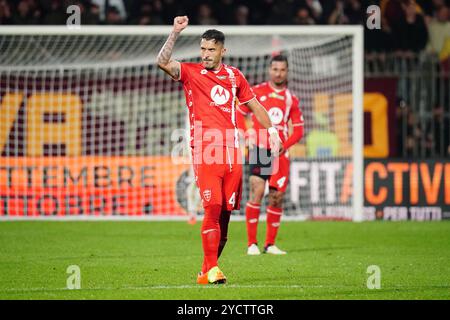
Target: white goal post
[88,122]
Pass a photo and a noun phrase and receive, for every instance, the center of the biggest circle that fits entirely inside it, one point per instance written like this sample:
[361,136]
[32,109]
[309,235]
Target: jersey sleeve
[245,92]
[243,109]
[184,72]
[296,114]
[296,117]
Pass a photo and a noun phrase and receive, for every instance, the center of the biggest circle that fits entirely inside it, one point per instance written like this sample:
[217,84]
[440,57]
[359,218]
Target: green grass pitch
[160,260]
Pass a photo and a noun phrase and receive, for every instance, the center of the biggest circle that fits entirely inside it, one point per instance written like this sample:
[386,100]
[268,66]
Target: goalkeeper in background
[212,90]
[282,106]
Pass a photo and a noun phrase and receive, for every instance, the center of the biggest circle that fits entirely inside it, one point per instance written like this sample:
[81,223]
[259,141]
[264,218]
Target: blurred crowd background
[408,25]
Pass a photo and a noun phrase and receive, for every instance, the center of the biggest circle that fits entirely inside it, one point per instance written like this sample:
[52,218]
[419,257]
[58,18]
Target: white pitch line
[168,287]
[158,287]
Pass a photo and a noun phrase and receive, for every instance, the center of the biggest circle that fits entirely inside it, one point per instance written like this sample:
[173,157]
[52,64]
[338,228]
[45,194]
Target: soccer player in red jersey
[212,90]
[282,106]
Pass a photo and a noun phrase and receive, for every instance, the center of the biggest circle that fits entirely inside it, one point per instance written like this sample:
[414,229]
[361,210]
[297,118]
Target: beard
[208,64]
[280,82]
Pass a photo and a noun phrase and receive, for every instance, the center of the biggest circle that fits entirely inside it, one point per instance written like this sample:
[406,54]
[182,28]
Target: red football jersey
[281,106]
[211,100]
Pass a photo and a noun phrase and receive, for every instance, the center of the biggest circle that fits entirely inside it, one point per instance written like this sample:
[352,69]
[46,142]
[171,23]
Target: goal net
[90,127]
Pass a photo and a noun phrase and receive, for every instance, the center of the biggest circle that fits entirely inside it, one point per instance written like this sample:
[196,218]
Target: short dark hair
[213,34]
[280,58]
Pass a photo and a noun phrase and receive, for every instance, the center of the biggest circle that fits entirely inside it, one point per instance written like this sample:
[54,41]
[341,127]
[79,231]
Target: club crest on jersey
[204,71]
[276,115]
[207,194]
[263,98]
[220,95]
[276,96]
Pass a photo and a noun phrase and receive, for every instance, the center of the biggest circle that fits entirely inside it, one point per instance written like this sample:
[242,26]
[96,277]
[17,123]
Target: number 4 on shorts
[232,199]
[281,181]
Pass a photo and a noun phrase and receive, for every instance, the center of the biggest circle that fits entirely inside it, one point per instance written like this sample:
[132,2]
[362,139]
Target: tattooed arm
[172,67]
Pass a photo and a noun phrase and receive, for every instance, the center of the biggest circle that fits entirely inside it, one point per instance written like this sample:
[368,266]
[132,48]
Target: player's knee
[212,214]
[258,194]
[275,198]
[257,191]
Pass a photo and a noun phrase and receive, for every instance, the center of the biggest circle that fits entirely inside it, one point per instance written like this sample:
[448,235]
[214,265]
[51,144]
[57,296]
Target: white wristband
[272,130]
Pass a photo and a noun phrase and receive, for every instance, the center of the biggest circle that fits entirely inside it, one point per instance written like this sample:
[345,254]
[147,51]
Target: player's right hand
[180,23]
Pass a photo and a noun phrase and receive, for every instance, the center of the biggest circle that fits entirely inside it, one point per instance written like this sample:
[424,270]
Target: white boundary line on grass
[158,287]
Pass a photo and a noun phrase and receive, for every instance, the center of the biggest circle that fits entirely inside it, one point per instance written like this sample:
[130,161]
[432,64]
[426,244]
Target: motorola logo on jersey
[276,115]
[220,95]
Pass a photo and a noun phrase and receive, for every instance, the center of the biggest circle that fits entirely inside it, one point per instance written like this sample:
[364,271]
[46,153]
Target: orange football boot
[202,278]
[216,276]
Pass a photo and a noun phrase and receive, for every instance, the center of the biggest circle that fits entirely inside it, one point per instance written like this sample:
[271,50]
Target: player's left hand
[275,143]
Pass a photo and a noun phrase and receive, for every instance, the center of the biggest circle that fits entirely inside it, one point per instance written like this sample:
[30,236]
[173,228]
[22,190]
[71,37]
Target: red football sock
[273,222]
[210,236]
[252,217]
[224,220]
